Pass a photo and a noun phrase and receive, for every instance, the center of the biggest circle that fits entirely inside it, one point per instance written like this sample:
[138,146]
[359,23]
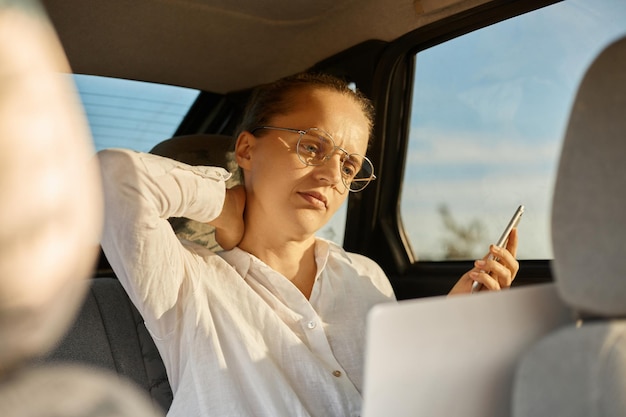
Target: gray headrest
[588,223]
[207,150]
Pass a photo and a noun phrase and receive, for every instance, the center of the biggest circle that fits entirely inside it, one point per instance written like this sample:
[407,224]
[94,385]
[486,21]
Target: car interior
[478,110]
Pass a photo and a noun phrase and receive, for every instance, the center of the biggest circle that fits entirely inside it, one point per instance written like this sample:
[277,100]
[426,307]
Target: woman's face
[283,193]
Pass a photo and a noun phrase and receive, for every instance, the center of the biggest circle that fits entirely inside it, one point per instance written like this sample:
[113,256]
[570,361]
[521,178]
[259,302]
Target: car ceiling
[227,45]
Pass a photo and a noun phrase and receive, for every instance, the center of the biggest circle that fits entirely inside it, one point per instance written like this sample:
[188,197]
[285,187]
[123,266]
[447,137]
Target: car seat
[109,333]
[580,370]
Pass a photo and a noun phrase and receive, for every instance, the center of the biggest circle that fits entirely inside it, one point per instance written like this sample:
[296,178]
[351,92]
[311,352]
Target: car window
[132,114]
[489,113]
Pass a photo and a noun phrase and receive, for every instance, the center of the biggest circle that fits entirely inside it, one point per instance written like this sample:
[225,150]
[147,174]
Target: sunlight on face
[286,194]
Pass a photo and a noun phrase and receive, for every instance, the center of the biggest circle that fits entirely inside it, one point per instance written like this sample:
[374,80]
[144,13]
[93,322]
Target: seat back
[109,333]
[581,370]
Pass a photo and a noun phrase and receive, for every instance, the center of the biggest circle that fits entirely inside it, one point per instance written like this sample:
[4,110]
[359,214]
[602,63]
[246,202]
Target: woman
[275,325]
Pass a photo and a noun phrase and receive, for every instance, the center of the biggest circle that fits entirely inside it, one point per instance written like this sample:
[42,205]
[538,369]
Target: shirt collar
[331,247]
[242,260]
[238,259]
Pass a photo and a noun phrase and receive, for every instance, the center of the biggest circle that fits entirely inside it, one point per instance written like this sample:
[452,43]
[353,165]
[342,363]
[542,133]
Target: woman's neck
[295,259]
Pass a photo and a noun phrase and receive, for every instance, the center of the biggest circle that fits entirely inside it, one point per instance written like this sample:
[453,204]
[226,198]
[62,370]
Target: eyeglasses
[315,147]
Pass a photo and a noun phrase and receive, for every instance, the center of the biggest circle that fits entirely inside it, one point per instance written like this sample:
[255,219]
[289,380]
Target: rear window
[132,114]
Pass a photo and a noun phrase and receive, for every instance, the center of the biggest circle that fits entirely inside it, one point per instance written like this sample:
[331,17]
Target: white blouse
[237,338]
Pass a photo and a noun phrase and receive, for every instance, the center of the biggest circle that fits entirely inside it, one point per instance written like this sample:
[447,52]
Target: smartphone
[517,216]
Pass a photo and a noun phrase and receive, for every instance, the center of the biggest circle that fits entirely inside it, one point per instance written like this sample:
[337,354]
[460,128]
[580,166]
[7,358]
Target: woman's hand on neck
[229,225]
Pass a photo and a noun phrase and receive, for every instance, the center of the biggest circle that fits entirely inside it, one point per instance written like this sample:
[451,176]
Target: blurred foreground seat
[580,371]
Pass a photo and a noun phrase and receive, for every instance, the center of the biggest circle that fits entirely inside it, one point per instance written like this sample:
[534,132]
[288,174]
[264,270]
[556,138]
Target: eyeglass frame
[327,156]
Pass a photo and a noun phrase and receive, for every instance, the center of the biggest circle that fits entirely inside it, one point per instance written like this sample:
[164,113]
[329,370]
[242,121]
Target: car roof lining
[221,46]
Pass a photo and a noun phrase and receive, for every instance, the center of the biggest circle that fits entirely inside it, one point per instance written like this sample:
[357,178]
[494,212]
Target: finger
[483,274]
[487,281]
[500,272]
[504,257]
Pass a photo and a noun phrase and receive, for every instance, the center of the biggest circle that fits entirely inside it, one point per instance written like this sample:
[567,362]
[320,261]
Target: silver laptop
[454,356]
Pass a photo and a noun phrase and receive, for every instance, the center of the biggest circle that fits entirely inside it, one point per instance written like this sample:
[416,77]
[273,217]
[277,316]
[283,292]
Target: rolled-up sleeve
[141,192]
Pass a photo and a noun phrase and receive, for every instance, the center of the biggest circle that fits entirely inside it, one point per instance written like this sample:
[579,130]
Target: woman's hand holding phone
[494,253]
[498,268]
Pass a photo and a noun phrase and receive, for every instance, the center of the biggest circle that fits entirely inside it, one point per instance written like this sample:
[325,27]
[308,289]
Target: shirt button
[337,373]
[311,325]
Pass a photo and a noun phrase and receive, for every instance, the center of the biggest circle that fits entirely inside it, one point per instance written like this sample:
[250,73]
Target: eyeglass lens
[314,148]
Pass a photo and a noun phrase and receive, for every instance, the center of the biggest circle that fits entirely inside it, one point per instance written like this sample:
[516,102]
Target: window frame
[374,225]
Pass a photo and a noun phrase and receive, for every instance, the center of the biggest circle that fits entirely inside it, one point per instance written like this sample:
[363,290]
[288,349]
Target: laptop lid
[454,356]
